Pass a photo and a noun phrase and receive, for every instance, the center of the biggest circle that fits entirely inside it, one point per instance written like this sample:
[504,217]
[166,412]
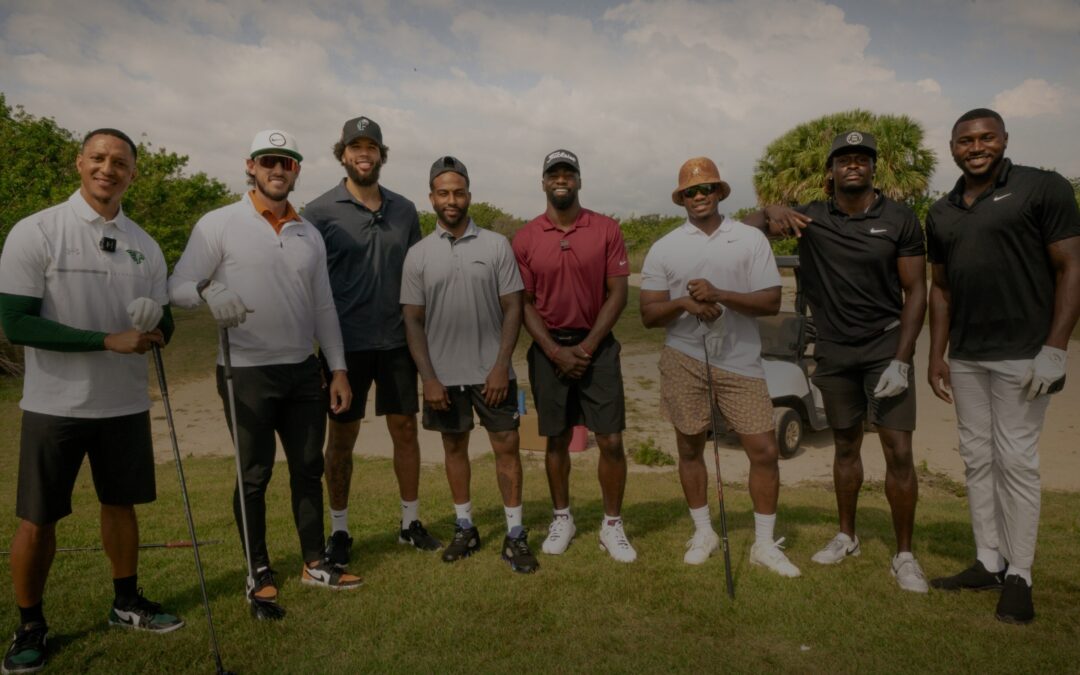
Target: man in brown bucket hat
[705,282]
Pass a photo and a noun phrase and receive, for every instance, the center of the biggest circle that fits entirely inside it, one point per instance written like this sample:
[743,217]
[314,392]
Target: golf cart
[785,339]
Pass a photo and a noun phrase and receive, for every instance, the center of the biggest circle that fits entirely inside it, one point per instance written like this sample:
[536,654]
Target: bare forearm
[416,338]
[534,324]
[765,302]
[659,313]
[511,327]
[939,321]
[913,280]
[613,306]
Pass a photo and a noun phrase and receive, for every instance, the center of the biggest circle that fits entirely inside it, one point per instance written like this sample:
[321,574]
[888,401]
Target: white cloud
[929,85]
[1031,98]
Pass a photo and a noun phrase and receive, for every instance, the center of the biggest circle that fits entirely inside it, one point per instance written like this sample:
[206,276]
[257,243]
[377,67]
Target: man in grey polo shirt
[461,296]
[367,230]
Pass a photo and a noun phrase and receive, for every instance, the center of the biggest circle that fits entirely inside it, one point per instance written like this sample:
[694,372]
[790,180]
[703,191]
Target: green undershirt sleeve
[166,324]
[20,317]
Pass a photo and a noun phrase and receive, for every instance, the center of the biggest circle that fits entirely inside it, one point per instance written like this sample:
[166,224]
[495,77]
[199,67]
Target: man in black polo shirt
[1004,246]
[864,274]
[367,230]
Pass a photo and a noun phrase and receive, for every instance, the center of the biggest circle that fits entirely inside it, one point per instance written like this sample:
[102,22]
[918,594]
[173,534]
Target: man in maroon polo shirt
[573,263]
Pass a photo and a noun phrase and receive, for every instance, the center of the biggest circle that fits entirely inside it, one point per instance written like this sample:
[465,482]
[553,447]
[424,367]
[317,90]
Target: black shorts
[51,452]
[596,400]
[394,375]
[463,400]
[847,374]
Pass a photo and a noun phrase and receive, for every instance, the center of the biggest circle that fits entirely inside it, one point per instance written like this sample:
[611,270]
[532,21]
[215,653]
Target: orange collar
[264,210]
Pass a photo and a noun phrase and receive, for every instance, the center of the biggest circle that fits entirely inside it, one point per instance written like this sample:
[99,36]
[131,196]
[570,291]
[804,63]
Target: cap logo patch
[695,171]
[362,123]
[276,139]
[558,154]
[854,138]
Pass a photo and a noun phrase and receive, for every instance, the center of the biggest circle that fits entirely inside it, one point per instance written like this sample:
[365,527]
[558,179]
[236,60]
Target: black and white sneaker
[466,541]
[974,578]
[142,614]
[328,576]
[418,536]
[27,651]
[1014,605]
[337,549]
[516,551]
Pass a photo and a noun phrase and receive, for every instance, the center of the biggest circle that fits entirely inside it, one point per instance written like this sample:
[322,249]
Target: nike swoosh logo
[622,263]
[998,198]
[881,231]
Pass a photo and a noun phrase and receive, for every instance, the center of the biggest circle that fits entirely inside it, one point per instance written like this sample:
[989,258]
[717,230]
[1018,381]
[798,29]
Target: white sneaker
[613,540]
[770,555]
[840,547]
[702,545]
[560,532]
[909,575]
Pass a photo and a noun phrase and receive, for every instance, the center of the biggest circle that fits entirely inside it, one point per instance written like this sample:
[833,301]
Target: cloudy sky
[634,87]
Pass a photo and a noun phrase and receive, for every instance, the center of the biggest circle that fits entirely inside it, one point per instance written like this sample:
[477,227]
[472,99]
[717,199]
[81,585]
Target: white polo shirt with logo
[56,255]
[736,257]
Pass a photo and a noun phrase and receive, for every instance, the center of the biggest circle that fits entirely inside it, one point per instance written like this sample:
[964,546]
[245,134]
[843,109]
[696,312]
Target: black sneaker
[517,553]
[337,549]
[418,536]
[974,578]
[27,651]
[143,614]
[466,541]
[263,586]
[1014,605]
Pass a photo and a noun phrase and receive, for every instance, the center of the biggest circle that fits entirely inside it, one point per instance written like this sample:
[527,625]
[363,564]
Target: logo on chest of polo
[878,230]
[136,256]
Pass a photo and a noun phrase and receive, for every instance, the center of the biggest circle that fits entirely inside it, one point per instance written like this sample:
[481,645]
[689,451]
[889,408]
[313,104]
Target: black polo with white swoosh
[848,268]
[1001,281]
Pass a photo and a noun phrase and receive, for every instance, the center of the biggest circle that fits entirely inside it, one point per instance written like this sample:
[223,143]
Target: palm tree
[792,169]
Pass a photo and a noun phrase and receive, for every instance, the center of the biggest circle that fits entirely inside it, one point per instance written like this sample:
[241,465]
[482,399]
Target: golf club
[181,543]
[719,481]
[160,366]
[263,610]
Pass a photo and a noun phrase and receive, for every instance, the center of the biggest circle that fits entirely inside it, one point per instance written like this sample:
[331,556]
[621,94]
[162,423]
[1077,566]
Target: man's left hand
[340,392]
[703,291]
[1047,367]
[496,386]
[894,380]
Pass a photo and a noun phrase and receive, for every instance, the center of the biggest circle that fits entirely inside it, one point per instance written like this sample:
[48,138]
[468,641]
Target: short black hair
[978,114]
[116,133]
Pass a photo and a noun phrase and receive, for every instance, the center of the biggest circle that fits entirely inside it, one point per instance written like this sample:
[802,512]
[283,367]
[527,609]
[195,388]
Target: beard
[273,192]
[453,223]
[364,181]
[561,203]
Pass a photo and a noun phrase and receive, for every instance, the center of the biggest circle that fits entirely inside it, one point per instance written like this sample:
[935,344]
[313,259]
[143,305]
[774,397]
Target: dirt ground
[201,429]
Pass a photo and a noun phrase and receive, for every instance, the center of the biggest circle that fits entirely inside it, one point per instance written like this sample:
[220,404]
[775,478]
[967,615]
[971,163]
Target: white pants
[999,436]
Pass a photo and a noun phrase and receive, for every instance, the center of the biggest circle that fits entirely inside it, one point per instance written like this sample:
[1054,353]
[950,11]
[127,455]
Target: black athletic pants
[289,401]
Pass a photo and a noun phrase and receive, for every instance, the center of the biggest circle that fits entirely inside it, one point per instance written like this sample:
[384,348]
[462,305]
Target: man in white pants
[1005,249]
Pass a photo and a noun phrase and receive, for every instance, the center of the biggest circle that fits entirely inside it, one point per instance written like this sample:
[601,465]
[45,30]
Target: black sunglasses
[703,189]
[270,161]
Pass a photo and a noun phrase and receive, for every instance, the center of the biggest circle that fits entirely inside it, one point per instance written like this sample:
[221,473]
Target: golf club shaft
[227,366]
[719,481]
[159,364]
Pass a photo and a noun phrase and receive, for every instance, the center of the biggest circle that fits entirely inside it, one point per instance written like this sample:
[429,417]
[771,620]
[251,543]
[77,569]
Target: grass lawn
[581,612]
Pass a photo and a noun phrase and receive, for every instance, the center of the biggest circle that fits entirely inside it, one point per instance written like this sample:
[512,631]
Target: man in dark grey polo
[461,295]
[367,230]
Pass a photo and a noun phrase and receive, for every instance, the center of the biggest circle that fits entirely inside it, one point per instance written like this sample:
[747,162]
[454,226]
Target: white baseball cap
[275,142]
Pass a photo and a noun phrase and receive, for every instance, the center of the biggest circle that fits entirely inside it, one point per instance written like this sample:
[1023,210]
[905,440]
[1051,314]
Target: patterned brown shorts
[743,401]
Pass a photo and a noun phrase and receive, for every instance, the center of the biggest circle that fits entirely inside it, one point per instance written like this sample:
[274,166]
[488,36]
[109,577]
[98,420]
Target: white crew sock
[763,528]
[702,518]
[410,511]
[339,520]
[1021,572]
[563,513]
[991,559]
[610,521]
[463,512]
[513,519]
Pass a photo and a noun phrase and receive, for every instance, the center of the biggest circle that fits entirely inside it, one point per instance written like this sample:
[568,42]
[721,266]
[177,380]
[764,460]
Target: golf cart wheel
[789,431]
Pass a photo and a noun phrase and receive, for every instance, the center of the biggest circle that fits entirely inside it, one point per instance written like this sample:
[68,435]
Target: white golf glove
[145,314]
[894,380]
[228,309]
[1047,367]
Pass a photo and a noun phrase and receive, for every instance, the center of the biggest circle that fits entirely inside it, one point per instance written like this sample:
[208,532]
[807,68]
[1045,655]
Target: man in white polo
[83,288]
[261,268]
[706,281]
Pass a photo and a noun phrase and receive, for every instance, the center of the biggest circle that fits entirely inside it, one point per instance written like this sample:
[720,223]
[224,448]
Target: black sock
[31,614]
[126,589]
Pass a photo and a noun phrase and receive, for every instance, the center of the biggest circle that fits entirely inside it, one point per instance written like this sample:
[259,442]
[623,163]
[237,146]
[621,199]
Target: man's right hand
[938,374]
[706,311]
[568,363]
[435,395]
[131,341]
[228,309]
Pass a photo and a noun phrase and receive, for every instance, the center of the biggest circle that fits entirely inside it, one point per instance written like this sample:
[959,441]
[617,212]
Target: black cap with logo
[448,164]
[557,157]
[853,141]
[361,127]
